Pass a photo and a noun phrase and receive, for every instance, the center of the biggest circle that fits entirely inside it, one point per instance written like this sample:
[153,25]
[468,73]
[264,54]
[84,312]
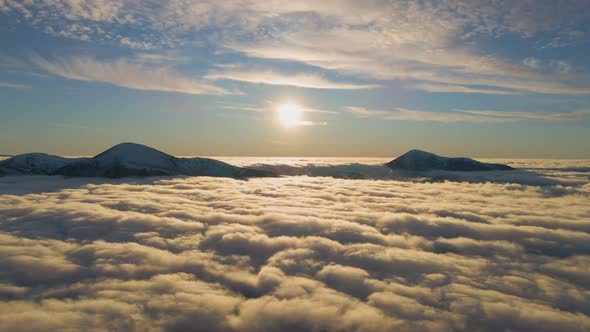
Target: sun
[290,115]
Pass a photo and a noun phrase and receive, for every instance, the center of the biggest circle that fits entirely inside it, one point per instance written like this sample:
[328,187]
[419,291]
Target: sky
[373,78]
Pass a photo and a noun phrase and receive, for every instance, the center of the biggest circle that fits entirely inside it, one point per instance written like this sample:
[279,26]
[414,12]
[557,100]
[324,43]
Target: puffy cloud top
[296,253]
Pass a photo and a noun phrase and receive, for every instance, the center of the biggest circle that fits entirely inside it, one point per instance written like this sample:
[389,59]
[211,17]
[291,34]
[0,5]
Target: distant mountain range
[417,160]
[136,160]
[123,160]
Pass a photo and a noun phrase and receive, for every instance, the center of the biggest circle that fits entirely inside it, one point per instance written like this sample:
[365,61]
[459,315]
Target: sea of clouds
[313,252]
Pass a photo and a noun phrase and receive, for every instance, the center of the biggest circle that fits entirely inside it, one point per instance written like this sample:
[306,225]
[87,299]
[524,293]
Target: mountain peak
[136,154]
[124,159]
[129,149]
[418,160]
[419,153]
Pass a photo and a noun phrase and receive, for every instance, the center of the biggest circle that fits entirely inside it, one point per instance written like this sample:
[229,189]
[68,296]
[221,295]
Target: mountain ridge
[124,160]
[418,160]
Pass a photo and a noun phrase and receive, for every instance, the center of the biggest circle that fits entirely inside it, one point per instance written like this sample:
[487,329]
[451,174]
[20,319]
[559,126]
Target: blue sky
[374,78]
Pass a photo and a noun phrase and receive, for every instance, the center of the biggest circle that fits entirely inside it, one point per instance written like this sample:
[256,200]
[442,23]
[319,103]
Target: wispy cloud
[125,41]
[544,116]
[270,106]
[243,107]
[557,66]
[311,81]
[447,88]
[473,116]
[311,123]
[14,85]
[166,58]
[363,112]
[376,39]
[437,63]
[125,73]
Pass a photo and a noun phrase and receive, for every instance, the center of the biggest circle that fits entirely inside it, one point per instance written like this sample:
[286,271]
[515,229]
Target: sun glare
[290,115]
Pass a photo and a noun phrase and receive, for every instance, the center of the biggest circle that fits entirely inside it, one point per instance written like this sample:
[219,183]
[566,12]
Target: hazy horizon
[391,156]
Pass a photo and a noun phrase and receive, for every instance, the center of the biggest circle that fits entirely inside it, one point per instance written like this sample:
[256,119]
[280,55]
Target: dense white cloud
[295,253]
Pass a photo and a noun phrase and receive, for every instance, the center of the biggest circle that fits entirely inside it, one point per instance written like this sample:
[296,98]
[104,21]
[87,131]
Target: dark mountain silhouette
[417,160]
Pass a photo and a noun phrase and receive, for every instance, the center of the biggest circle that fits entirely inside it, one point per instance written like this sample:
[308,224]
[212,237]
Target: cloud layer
[294,253]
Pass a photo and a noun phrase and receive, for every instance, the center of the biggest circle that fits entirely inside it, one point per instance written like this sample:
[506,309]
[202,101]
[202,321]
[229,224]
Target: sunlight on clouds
[303,80]
[434,42]
[290,115]
[126,73]
[293,253]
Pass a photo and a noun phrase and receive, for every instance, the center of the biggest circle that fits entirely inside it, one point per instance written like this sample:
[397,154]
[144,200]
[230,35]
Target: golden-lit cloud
[310,81]
[298,252]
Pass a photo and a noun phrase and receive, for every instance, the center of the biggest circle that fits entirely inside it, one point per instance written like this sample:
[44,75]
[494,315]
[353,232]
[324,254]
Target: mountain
[33,163]
[417,160]
[122,160]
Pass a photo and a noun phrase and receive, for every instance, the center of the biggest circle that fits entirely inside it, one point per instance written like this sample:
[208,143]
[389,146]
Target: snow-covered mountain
[417,160]
[125,159]
[33,163]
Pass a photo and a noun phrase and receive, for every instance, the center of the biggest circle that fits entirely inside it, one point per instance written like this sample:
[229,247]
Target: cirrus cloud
[310,81]
[125,73]
[434,42]
[474,116]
